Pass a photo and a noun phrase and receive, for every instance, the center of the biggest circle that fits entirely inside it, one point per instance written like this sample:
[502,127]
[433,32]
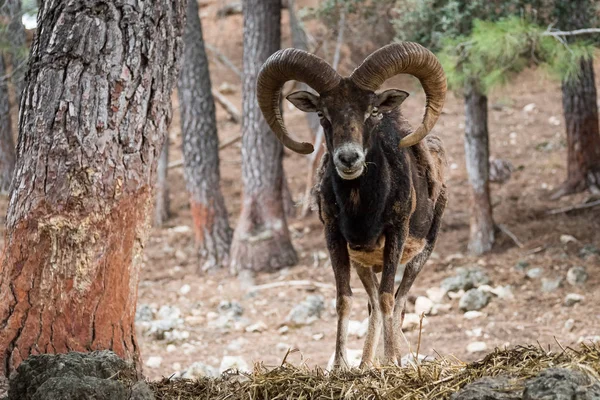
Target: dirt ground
[532,138]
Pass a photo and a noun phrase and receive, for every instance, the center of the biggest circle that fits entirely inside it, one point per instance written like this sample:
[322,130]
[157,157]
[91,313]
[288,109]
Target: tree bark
[477,159]
[161,202]
[580,110]
[201,149]
[94,116]
[261,240]
[7,144]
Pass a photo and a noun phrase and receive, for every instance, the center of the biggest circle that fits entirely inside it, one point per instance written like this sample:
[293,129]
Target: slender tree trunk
[261,240]
[161,202]
[18,45]
[477,154]
[7,144]
[201,149]
[583,132]
[95,113]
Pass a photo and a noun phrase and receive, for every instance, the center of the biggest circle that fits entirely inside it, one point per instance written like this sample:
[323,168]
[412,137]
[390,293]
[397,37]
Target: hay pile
[435,379]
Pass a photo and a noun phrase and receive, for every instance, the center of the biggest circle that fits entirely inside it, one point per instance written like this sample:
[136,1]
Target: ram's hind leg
[413,268]
[369,281]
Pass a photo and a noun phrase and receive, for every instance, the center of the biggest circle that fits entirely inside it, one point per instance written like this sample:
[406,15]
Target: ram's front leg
[338,252]
[394,242]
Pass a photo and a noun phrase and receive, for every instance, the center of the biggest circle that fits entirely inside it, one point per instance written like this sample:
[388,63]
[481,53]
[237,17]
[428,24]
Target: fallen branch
[572,208]
[511,235]
[221,57]
[571,33]
[232,110]
[224,145]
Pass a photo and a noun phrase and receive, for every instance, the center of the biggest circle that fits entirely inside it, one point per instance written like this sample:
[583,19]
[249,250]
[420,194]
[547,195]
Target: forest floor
[526,128]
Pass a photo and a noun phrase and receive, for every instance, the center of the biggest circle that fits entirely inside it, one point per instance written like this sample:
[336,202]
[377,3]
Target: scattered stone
[283,330]
[473,300]
[440,308]
[521,265]
[476,347]
[308,311]
[497,388]
[233,362]
[577,276]
[436,294]
[554,120]
[358,328]
[185,289]
[473,314]
[475,332]
[198,370]
[561,384]
[230,308]
[282,346]
[257,327]
[529,107]
[176,366]
[144,313]
[412,321]
[423,305]
[589,250]
[465,279]
[534,273]
[175,335]
[550,285]
[318,336]
[564,239]
[456,295]
[503,292]
[237,344]
[171,348]
[569,325]
[572,299]
[154,362]
[180,229]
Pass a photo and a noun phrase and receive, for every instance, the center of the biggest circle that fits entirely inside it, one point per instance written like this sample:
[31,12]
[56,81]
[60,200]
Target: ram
[380,190]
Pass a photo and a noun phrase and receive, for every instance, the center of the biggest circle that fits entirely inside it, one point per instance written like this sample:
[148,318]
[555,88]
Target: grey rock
[561,384]
[474,300]
[572,299]
[499,388]
[308,311]
[167,319]
[521,265]
[198,370]
[534,273]
[141,391]
[144,313]
[465,279]
[577,276]
[75,376]
[231,309]
[589,250]
[551,284]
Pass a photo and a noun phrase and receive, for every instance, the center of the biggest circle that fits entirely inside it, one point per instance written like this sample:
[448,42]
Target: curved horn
[408,58]
[286,65]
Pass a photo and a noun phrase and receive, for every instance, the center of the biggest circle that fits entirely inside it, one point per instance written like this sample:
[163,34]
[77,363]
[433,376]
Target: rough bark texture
[201,149]
[261,239]
[161,202]
[18,45]
[7,144]
[94,116]
[477,159]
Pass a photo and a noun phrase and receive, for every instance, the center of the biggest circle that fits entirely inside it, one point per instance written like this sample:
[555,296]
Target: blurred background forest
[517,259]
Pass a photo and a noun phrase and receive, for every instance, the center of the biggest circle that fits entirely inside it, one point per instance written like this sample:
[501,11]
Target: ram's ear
[304,101]
[390,99]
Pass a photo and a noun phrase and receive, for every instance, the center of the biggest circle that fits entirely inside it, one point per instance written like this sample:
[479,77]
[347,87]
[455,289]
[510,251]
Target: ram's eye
[375,111]
[320,114]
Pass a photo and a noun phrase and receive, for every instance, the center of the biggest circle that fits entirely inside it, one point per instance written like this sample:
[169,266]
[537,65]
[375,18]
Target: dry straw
[436,379]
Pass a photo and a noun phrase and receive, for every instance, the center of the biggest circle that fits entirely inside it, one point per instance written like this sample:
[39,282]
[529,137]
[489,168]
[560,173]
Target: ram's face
[349,116]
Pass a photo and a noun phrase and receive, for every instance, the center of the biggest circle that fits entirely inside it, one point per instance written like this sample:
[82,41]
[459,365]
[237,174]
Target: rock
[282,346]
[185,289]
[257,327]
[171,348]
[237,344]
[476,347]
[551,284]
[283,330]
[534,273]
[84,376]
[358,328]
[500,170]
[564,239]
[144,313]
[521,265]
[154,362]
[503,292]
[498,388]
[412,322]
[141,391]
[318,336]
[473,300]
[473,314]
[352,358]
[308,311]
[436,294]
[569,325]
[465,279]
[199,370]
[176,335]
[423,305]
[589,250]
[233,362]
[231,309]
[440,308]
[180,229]
[561,384]
[456,295]
[475,332]
[554,120]
[529,107]
[572,299]
[577,276]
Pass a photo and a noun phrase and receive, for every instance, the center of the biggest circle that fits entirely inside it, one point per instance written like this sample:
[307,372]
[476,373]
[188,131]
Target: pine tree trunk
[477,154]
[18,45]
[7,144]
[95,113]
[201,149]
[583,132]
[161,202]
[261,240]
